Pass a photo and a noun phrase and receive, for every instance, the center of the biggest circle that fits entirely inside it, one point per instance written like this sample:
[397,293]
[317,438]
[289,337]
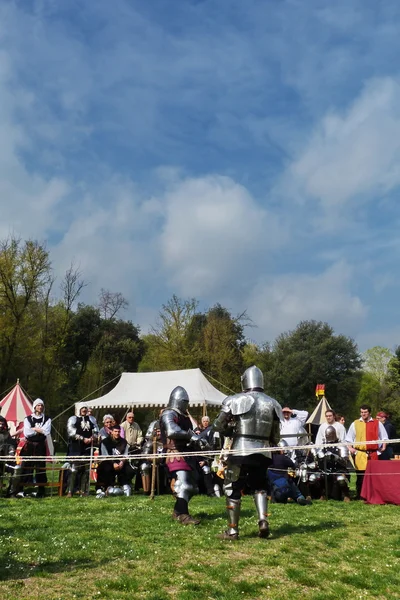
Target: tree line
[62,349]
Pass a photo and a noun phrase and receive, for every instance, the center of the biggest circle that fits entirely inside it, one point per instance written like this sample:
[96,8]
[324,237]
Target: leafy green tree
[169,346]
[221,342]
[25,276]
[261,356]
[376,361]
[309,355]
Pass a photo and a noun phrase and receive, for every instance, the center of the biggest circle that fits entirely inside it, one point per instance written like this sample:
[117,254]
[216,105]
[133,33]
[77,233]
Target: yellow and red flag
[320,389]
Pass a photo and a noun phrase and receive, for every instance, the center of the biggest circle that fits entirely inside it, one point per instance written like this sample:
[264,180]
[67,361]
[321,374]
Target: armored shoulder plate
[241,404]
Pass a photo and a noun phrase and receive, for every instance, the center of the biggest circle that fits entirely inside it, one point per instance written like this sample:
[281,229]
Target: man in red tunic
[363,430]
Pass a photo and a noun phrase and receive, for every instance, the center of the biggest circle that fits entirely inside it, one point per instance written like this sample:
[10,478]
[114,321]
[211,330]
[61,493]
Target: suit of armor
[148,448]
[177,435]
[333,461]
[210,480]
[252,419]
[80,429]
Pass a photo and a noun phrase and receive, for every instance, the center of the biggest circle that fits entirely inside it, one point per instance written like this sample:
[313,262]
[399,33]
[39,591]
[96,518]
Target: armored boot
[85,484]
[146,482]
[261,502]
[15,481]
[233,508]
[71,482]
[127,489]
[185,519]
[217,490]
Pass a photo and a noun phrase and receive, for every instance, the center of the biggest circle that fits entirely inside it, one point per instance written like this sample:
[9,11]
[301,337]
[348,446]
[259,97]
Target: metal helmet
[331,435]
[284,445]
[152,428]
[252,378]
[114,491]
[179,400]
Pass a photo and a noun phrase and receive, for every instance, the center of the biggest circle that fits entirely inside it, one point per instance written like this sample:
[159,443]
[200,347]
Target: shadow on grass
[288,529]
[18,570]
[204,516]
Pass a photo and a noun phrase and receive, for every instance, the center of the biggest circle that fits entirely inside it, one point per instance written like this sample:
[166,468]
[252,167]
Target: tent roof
[318,416]
[16,406]
[154,389]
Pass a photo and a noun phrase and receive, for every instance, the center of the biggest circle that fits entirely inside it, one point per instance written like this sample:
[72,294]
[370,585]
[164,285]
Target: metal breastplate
[253,427]
[183,423]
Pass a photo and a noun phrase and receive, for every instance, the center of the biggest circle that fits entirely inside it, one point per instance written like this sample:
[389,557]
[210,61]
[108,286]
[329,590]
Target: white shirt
[301,415]
[340,430]
[29,431]
[293,426]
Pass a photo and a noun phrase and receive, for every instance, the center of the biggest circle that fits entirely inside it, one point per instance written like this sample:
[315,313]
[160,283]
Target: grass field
[130,548]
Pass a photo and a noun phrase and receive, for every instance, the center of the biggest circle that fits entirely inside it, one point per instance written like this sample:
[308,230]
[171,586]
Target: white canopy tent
[153,389]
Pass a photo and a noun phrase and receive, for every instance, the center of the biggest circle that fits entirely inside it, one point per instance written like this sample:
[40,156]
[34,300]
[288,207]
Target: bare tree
[110,303]
[71,286]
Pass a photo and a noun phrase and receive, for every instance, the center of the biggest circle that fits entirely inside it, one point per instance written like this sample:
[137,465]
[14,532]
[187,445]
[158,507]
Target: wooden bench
[58,485]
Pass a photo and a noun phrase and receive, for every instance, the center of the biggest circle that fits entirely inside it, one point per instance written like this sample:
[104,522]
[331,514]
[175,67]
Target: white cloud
[28,201]
[111,235]
[355,153]
[278,304]
[214,235]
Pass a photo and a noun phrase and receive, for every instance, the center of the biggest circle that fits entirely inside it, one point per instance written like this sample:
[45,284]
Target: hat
[37,401]
[287,409]
[382,414]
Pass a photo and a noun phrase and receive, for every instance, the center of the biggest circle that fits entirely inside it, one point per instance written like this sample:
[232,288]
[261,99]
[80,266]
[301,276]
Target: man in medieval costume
[363,430]
[37,443]
[252,419]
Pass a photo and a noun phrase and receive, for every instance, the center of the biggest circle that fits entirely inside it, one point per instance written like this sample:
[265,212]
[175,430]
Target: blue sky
[246,153]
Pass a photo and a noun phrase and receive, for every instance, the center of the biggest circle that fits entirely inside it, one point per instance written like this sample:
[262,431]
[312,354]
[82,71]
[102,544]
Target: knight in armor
[81,434]
[309,475]
[178,438]
[333,461]
[252,419]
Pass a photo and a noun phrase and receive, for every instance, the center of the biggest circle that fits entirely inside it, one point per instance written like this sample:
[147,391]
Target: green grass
[130,548]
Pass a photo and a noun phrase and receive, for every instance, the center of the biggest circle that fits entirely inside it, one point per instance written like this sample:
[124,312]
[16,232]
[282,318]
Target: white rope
[200,453]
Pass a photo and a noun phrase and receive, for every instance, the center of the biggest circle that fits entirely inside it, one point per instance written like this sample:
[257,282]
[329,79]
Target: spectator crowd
[114,455]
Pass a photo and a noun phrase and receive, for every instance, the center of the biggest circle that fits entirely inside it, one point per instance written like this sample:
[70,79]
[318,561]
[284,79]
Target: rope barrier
[202,453]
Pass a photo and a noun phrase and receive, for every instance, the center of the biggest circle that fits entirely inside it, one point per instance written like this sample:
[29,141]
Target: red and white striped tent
[15,406]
